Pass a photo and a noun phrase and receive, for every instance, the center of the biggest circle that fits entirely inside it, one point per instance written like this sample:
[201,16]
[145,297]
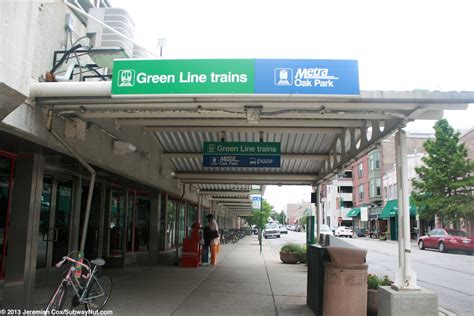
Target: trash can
[316,256]
[345,280]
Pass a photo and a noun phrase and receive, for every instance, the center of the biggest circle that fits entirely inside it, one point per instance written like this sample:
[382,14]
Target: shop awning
[354,212]
[391,209]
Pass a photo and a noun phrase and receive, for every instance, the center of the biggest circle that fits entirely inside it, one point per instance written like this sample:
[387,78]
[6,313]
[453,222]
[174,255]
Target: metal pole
[406,277]
[49,125]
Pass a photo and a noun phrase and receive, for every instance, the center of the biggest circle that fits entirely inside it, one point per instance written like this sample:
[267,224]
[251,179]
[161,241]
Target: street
[451,275]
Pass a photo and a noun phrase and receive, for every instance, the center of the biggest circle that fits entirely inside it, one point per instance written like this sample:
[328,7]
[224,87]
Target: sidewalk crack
[270,284]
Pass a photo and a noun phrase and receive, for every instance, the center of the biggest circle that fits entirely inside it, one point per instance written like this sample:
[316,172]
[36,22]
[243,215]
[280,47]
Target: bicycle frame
[71,279]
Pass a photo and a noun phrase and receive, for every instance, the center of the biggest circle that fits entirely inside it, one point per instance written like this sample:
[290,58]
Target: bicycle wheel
[98,293]
[57,300]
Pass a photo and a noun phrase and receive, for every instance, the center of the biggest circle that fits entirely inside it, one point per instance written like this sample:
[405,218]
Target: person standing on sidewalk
[215,241]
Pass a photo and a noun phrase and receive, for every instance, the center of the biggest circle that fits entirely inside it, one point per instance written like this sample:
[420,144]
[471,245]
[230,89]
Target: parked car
[271,230]
[283,230]
[447,239]
[344,231]
[300,228]
[325,230]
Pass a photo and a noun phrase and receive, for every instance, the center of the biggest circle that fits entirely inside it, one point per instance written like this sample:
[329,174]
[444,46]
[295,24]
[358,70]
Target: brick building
[368,183]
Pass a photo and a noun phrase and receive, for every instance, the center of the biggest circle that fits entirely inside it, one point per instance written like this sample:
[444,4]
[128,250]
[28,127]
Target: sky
[400,45]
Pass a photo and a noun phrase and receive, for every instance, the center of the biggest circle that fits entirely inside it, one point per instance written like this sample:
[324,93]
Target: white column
[400,237]
[318,212]
[405,277]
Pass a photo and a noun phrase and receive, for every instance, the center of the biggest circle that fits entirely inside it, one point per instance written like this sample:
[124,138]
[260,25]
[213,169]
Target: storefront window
[130,220]
[205,212]
[170,223]
[162,221]
[182,223]
[192,216]
[6,174]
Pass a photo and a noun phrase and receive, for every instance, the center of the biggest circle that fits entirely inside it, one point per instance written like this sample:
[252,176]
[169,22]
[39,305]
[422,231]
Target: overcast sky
[400,45]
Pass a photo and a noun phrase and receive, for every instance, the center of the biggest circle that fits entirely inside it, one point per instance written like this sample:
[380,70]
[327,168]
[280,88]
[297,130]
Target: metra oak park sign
[146,77]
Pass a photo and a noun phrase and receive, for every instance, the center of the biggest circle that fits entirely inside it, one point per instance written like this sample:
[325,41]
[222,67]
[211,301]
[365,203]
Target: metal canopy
[319,135]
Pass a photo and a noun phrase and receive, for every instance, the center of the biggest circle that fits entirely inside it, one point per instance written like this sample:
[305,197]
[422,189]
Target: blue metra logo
[283,76]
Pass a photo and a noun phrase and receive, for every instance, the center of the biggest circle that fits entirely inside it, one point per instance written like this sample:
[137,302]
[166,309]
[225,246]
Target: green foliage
[302,220]
[260,218]
[291,247]
[445,185]
[302,253]
[274,215]
[281,218]
[373,281]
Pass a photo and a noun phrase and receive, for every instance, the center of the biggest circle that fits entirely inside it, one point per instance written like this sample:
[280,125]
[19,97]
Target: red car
[447,239]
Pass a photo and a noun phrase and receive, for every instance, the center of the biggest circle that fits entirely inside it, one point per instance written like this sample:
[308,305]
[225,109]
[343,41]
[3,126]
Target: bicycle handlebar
[60,263]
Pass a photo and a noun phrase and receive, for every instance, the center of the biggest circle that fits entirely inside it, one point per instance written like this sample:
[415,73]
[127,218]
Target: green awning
[391,209]
[354,212]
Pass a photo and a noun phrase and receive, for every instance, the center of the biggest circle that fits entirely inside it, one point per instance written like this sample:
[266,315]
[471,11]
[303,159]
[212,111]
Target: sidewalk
[243,283]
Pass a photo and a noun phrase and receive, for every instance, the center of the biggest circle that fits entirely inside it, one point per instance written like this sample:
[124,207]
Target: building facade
[337,201]
[138,211]
[373,174]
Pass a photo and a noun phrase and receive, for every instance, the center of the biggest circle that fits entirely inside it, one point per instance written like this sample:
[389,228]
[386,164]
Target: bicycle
[94,294]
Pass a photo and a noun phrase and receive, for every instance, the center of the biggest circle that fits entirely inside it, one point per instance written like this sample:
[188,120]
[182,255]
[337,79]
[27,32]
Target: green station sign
[241,148]
[241,154]
[210,76]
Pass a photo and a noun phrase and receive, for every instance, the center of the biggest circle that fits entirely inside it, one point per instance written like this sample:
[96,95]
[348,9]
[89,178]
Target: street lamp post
[161,42]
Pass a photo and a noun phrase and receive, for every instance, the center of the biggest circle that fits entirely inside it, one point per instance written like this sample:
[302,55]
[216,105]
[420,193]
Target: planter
[289,257]
[372,302]
[302,259]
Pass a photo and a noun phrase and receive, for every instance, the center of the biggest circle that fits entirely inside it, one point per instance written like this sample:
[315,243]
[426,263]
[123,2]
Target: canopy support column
[318,216]
[405,278]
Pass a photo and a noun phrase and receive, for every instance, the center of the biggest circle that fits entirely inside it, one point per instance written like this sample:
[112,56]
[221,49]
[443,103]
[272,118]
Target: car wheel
[469,253]
[278,236]
[350,236]
[421,245]
[442,247]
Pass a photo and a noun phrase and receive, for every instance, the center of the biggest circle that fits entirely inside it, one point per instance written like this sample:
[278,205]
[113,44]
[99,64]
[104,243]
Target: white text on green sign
[241,148]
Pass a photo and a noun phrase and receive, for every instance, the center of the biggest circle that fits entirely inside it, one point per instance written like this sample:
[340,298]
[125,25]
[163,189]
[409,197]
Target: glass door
[7,162]
[117,222]
[62,220]
[55,221]
[43,231]
[92,241]
[142,229]
[138,221]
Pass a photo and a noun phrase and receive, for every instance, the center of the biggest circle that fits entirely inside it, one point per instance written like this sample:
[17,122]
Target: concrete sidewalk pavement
[243,283]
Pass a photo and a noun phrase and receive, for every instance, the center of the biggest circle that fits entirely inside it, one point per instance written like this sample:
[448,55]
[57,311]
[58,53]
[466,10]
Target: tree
[260,218]
[445,185]
[274,215]
[281,218]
